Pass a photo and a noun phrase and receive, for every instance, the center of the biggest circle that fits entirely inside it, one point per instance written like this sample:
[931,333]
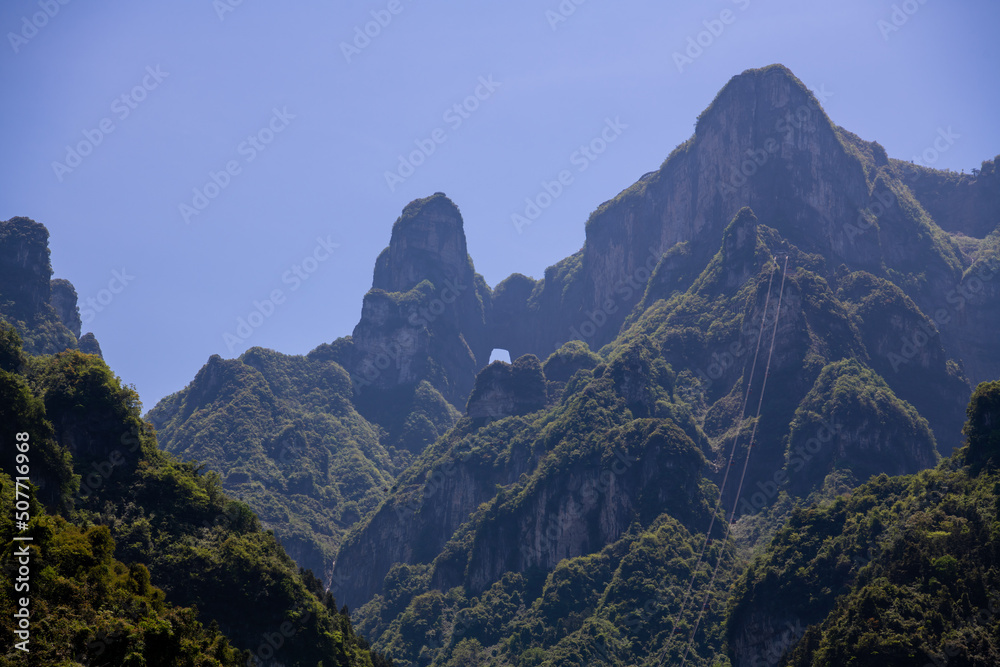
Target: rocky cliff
[426,315]
[44,311]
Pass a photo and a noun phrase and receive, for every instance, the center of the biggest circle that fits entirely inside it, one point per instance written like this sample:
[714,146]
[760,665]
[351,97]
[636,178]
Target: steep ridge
[517,496]
[766,143]
[815,333]
[959,203]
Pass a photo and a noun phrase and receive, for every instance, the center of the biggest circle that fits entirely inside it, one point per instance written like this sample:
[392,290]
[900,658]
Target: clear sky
[115,113]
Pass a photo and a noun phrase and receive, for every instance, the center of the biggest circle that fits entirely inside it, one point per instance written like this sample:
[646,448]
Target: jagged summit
[773,87]
[428,243]
[426,315]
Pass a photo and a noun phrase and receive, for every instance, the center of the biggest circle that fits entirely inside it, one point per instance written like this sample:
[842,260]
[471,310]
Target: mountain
[777,315]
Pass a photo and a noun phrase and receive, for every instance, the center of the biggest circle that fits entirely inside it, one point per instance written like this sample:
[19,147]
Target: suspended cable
[718,502]
[746,463]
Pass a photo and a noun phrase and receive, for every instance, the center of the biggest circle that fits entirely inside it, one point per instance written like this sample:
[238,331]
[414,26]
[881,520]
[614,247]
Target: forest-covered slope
[138,558]
[903,571]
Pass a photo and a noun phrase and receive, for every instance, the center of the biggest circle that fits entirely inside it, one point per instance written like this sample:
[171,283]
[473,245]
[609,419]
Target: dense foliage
[900,572]
[88,607]
[141,510]
[287,440]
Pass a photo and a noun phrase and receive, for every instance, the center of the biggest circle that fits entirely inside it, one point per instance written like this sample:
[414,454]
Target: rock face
[428,243]
[966,203]
[586,506]
[505,389]
[43,310]
[423,513]
[763,143]
[89,344]
[63,298]
[765,637]
[24,264]
[425,317]
[983,427]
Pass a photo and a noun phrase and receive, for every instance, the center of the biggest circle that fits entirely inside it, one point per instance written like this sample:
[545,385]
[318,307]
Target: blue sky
[233,157]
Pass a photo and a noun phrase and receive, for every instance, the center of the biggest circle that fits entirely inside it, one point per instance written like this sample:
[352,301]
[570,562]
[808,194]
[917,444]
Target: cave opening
[499,354]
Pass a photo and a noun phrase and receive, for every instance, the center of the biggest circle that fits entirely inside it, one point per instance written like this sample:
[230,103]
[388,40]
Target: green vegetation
[541,564]
[819,441]
[983,427]
[87,607]
[900,572]
[290,444]
[536,573]
[131,517]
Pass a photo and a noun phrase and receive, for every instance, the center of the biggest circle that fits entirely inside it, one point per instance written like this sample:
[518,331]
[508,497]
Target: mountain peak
[769,88]
[427,243]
